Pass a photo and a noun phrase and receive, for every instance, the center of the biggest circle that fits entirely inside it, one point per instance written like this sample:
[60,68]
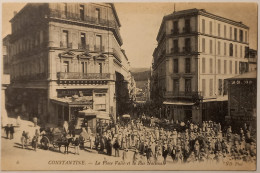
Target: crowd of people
[152,144]
[193,143]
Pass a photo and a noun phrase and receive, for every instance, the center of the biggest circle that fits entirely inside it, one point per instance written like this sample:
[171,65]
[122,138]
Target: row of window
[239,68]
[210,67]
[176,86]
[30,44]
[186,48]
[186,29]
[207,84]
[242,34]
[83,67]
[231,49]
[82,12]
[187,65]
[222,87]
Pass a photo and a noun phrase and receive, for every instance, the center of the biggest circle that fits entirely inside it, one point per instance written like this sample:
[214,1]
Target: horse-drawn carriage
[55,137]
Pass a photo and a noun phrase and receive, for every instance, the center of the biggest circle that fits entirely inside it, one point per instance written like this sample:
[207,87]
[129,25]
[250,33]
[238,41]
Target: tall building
[196,51]
[5,78]
[67,56]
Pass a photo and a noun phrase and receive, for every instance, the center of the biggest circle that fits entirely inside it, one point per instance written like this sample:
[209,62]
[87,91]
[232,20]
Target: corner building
[196,51]
[67,56]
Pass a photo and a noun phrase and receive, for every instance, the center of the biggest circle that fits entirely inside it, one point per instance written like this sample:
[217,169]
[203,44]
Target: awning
[88,112]
[179,103]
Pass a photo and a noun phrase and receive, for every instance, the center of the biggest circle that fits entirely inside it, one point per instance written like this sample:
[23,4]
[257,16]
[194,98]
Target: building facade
[196,51]
[5,76]
[67,56]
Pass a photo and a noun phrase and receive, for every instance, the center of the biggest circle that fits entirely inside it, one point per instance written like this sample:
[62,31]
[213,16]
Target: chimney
[15,12]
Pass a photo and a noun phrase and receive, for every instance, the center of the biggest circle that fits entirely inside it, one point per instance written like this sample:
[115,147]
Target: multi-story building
[196,51]
[67,56]
[5,79]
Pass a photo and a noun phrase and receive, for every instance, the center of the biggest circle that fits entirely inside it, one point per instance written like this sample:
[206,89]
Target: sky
[141,22]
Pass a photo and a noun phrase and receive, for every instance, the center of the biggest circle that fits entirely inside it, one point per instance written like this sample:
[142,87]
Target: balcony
[187,49]
[186,30]
[65,45]
[99,48]
[83,46]
[86,19]
[184,94]
[175,31]
[175,50]
[89,76]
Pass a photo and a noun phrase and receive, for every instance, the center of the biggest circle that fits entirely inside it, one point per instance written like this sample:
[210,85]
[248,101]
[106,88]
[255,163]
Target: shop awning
[98,114]
[88,112]
[178,103]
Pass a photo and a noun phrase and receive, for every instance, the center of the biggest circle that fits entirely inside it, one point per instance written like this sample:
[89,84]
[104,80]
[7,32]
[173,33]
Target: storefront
[181,111]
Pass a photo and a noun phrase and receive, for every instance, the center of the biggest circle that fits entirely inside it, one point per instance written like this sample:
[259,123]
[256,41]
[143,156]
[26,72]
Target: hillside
[141,76]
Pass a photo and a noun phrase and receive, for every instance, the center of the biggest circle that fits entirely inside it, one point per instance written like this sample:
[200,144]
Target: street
[16,158]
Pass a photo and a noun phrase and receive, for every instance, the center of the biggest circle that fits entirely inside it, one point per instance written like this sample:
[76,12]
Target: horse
[65,142]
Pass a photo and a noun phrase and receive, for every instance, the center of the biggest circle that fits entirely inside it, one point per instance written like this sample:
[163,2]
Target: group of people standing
[195,143]
[9,131]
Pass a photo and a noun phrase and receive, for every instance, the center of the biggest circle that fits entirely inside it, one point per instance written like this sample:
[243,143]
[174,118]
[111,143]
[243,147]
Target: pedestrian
[81,141]
[125,154]
[109,147]
[136,157]
[18,121]
[35,120]
[7,131]
[35,142]
[116,147]
[76,143]
[11,129]
[164,152]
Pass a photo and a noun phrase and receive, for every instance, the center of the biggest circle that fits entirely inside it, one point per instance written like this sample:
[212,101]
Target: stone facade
[66,57]
[196,51]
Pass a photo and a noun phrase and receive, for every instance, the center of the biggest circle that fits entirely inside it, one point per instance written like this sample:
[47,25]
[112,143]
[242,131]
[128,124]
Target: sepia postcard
[129,86]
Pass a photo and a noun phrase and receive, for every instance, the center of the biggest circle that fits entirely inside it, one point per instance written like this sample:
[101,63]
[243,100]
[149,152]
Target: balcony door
[65,66]
[84,67]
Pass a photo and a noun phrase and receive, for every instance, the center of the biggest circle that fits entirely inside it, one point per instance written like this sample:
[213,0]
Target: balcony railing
[84,46]
[86,19]
[175,31]
[175,50]
[187,49]
[187,30]
[65,45]
[99,48]
[78,75]
[182,94]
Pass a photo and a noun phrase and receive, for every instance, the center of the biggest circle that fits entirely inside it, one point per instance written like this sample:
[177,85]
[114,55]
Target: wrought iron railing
[78,75]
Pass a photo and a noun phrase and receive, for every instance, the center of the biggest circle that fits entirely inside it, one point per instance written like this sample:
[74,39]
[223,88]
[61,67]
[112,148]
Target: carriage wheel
[45,143]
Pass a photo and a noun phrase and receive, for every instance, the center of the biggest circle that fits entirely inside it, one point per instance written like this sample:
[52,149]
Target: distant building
[67,56]
[242,100]
[196,51]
